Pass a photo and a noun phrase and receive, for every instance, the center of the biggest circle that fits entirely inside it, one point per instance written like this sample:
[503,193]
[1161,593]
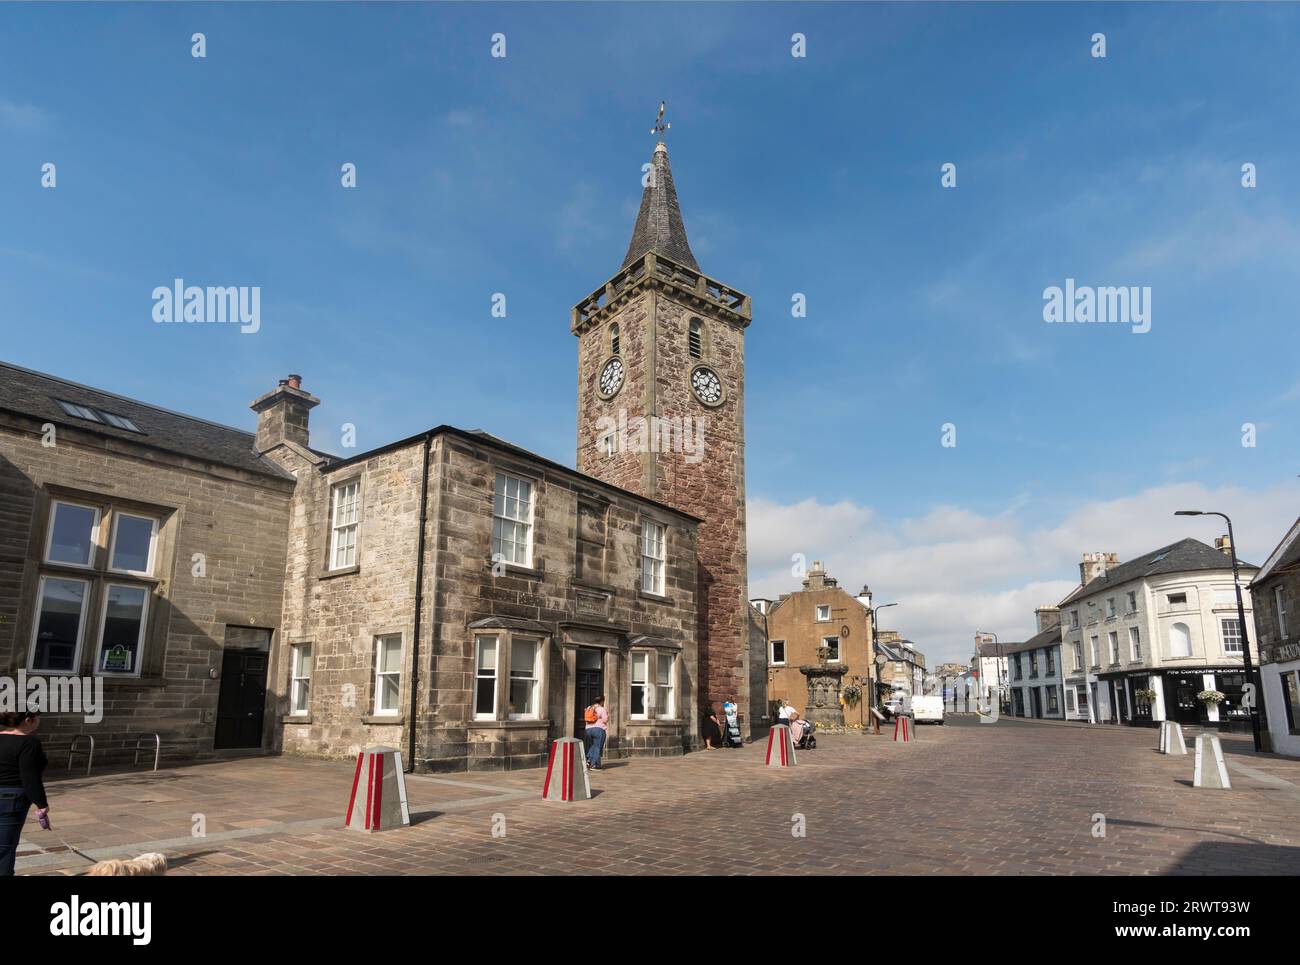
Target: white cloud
[954,570]
[20,116]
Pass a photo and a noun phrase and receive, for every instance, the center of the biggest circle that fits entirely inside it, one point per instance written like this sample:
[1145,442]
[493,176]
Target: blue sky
[817,175]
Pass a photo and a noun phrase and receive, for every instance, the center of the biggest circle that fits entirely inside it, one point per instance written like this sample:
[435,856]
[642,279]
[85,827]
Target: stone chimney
[1224,545]
[817,578]
[282,414]
[1095,565]
[865,597]
[1048,616]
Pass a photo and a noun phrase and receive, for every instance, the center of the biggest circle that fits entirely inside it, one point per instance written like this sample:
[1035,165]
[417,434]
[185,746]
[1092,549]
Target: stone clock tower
[661,412]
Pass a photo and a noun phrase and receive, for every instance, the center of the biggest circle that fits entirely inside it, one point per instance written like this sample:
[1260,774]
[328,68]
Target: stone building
[903,669]
[1277,632]
[822,614]
[661,396]
[448,593]
[147,549]
[464,599]
[1163,623]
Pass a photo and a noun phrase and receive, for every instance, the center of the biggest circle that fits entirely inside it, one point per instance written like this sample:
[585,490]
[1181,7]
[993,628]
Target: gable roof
[1284,556]
[1046,638]
[1187,555]
[659,226]
[37,395]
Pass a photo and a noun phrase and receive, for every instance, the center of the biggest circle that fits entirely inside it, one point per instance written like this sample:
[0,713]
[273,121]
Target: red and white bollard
[566,772]
[780,747]
[902,725]
[382,786]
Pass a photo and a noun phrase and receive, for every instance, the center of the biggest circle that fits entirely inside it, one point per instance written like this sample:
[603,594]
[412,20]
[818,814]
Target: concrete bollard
[903,725]
[566,772]
[383,796]
[1171,738]
[780,747]
[1211,771]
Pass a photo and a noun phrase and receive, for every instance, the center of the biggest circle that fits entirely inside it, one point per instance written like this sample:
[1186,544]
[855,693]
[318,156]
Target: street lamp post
[875,640]
[1247,663]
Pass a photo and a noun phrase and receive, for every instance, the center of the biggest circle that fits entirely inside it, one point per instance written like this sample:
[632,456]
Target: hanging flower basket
[851,694]
[1210,696]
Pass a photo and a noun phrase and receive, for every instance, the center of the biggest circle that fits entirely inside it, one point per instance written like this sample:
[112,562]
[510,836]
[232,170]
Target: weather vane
[660,126]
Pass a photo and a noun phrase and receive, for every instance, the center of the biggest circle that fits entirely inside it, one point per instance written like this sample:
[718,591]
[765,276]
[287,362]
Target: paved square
[1014,797]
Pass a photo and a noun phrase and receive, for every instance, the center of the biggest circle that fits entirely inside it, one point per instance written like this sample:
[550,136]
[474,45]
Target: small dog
[148,865]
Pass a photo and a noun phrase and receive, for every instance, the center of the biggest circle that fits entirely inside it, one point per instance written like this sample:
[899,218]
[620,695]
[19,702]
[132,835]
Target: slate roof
[990,649]
[1187,555]
[36,395]
[1284,556]
[659,226]
[1047,638]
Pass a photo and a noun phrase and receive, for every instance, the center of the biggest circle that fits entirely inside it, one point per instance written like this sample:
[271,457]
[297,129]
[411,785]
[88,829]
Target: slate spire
[659,227]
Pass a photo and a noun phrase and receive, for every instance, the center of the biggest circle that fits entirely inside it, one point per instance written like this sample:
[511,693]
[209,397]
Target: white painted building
[989,667]
[1164,622]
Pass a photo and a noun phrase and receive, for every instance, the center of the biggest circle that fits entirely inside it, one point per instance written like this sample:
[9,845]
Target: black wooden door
[590,684]
[242,701]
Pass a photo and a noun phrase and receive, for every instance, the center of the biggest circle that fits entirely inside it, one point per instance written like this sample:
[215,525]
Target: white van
[927,709]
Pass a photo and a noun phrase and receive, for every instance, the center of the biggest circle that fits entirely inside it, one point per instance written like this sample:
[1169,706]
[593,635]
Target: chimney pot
[295,381]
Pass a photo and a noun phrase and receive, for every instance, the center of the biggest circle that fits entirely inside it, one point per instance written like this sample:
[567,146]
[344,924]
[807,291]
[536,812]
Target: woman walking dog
[22,762]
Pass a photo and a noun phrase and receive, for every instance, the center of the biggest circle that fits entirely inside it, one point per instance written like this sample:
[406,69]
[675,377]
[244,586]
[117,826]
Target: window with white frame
[73,532]
[640,680]
[345,515]
[512,520]
[1135,642]
[1113,639]
[1074,619]
[778,651]
[132,547]
[1230,629]
[1110,606]
[388,674]
[485,677]
[300,679]
[665,690]
[1279,604]
[653,556]
[1132,601]
[1096,651]
[524,677]
[824,614]
[1177,599]
[694,340]
[59,625]
[121,638]
[1078,655]
[1069,700]
[833,645]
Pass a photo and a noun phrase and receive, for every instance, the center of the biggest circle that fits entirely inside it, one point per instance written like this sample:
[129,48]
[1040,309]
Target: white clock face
[706,385]
[611,377]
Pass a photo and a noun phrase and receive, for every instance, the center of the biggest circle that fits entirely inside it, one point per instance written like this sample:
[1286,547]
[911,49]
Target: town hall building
[449,594]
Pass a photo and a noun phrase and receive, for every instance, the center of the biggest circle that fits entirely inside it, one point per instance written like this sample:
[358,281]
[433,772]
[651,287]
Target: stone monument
[825,681]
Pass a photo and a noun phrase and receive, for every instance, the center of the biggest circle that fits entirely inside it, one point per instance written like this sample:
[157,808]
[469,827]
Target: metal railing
[157,749]
[90,753]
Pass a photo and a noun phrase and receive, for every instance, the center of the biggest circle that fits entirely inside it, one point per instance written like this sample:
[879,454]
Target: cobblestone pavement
[1012,797]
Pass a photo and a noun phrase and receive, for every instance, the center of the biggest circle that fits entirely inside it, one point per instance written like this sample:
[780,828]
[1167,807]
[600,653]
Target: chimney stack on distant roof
[1224,545]
[1095,565]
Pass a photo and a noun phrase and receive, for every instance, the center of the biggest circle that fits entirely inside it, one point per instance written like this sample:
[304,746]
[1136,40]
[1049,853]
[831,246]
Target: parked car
[929,708]
[894,706]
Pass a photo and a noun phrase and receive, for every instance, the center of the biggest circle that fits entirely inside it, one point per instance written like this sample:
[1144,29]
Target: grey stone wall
[234,518]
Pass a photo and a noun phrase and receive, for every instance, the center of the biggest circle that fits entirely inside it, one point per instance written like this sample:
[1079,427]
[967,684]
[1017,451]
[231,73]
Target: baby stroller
[802,733]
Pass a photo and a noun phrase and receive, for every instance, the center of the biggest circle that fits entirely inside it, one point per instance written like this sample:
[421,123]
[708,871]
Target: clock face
[611,377]
[706,385]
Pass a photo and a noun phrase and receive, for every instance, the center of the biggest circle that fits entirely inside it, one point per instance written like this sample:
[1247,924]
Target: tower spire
[659,226]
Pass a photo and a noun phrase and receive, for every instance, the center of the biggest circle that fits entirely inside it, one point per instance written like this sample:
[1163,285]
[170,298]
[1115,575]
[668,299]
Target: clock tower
[661,412]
